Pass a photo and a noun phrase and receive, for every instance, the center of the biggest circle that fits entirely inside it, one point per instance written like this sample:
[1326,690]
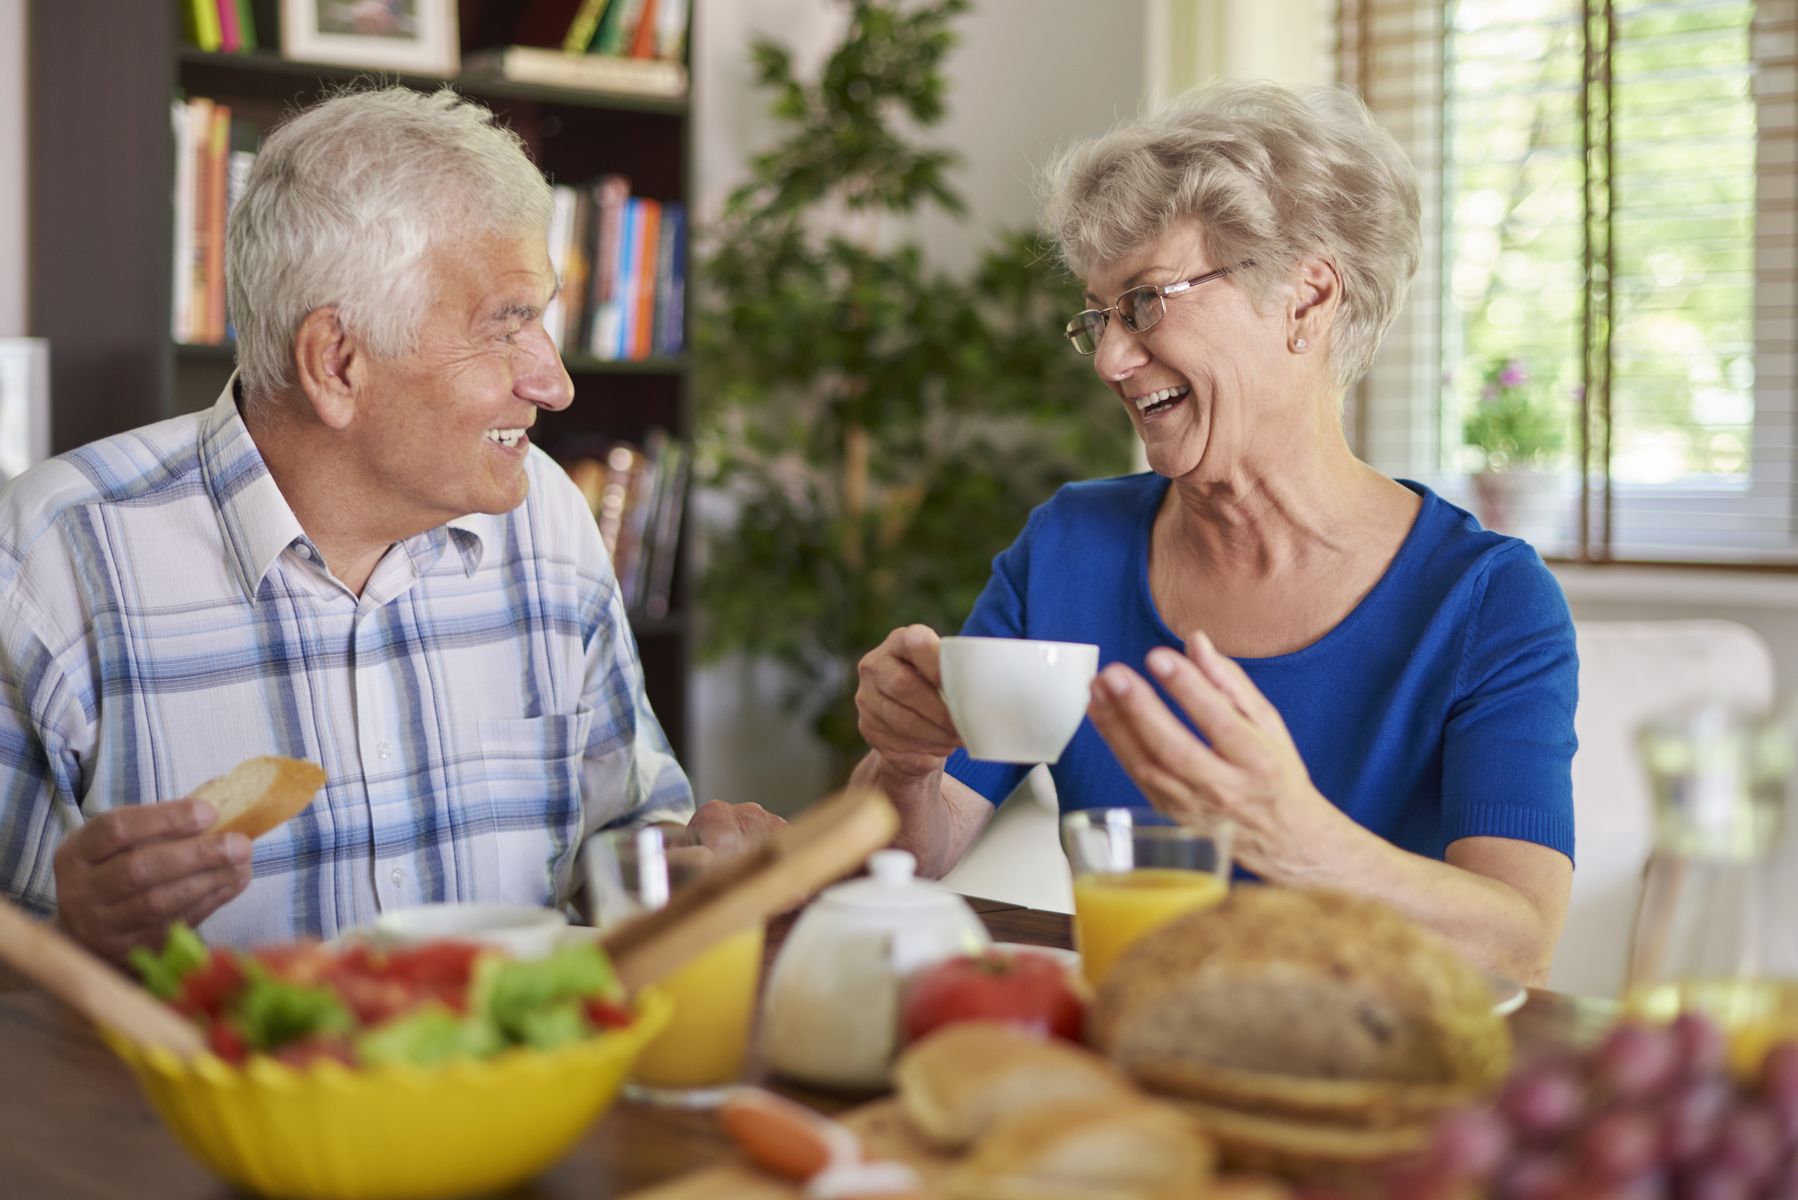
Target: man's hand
[727,829]
[125,875]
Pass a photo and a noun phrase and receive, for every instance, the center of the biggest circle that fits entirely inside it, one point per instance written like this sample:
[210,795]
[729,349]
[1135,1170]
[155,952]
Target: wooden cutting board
[883,1130]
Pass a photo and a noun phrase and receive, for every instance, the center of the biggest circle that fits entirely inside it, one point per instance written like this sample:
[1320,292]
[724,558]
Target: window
[1610,294]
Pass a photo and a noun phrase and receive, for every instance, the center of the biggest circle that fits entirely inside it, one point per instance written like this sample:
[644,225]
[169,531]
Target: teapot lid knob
[892,868]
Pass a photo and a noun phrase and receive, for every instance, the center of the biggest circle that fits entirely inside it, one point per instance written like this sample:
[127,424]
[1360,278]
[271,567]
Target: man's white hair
[343,207]
[1273,176]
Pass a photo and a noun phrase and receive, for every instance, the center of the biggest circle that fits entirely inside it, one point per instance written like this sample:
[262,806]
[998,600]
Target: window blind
[1609,300]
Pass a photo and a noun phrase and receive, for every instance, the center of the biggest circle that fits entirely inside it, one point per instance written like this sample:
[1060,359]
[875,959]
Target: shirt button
[303,550]
[384,749]
[398,877]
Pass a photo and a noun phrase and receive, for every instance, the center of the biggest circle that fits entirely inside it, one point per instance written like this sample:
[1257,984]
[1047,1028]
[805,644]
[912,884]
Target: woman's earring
[1299,345]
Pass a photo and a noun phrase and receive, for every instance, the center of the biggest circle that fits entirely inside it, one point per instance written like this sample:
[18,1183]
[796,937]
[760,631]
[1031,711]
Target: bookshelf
[101,178]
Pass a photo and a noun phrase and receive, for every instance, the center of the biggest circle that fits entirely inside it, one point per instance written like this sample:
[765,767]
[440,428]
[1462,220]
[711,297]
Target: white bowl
[522,930]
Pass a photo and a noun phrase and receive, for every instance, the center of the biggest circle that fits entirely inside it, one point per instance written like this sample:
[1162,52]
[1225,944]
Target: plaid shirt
[477,710]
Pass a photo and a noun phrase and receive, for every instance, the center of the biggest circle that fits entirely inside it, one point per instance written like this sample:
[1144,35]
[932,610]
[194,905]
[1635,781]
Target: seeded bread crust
[1301,1002]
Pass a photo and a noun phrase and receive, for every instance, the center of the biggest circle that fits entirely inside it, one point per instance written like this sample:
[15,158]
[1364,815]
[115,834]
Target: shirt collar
[257,522]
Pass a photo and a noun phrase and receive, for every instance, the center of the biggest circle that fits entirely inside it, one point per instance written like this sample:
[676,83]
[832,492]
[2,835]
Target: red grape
[1714,1183]
[1699,1043]
[1636,1060]
[1620,1145]
[1691,1115]
[1542,1101]
[1470,1144]
[1535,1177]
[1748,1144]
[1779,1087]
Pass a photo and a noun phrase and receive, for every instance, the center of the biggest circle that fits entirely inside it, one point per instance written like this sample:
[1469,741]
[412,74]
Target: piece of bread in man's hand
[260,793]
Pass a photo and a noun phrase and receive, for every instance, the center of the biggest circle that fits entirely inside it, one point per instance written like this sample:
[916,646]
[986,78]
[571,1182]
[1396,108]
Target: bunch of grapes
[1651,1114]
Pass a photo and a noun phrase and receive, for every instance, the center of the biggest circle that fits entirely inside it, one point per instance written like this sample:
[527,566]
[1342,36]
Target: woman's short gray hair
[1273,176]
[343,206]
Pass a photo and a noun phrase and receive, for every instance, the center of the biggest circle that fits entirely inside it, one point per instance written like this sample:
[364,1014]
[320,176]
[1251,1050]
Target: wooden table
[73,1124]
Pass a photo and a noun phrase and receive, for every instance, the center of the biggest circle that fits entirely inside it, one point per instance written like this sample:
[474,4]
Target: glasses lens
[1085,330]
[1141,307]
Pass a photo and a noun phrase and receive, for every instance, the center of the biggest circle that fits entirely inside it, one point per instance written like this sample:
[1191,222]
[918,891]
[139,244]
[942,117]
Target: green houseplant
[878,429]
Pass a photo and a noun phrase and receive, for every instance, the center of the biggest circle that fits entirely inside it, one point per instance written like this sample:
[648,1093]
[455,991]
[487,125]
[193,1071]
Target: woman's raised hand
[899,705]
[1251,774]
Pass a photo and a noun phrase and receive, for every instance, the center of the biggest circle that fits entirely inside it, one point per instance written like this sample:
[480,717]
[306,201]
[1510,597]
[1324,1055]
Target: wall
[12,168]
[1027,74]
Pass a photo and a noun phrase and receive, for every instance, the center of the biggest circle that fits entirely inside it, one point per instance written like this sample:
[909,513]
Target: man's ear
[1316,299]
[327,358]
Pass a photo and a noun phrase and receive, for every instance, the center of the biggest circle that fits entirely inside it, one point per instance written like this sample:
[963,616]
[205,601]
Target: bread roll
[963,1079]
[1301,1002]
[1089,1150]
[260,793]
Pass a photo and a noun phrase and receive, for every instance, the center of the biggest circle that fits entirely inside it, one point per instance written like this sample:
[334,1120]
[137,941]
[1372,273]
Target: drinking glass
[700,1055]
[1135,869]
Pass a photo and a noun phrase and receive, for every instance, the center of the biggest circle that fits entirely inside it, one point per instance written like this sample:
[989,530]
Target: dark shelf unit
[100,217]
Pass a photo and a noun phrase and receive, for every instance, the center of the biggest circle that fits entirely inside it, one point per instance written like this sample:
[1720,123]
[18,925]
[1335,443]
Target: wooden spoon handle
[90,987]
[823,843]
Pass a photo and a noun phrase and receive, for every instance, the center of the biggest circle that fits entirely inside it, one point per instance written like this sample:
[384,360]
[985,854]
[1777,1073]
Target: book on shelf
[220,26]
[654,78]
[640,28]
[637,495]
[622,263]
[214,151]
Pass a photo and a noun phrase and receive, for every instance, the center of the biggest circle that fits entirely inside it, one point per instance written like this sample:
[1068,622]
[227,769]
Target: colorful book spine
[643,283]
[643,38]
[611,196]
[671,281]
[230,38]
[182,276]
[218,154]
[584,27]
[203,18]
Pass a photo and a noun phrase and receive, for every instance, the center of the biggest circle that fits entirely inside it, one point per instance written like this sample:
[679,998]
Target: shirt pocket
[529,782]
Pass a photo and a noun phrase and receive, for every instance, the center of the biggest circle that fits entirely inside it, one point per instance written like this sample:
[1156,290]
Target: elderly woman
[1375,690]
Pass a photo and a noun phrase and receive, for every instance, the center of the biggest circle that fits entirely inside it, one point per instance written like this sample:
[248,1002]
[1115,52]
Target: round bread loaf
[1302,1002]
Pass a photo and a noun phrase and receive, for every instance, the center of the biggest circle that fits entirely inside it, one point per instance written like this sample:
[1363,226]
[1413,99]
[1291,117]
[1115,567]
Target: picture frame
[416,36]
[24,404]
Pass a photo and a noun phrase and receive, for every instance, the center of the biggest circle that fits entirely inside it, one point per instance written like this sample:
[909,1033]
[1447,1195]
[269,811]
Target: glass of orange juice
[700,1055]
[1135,869]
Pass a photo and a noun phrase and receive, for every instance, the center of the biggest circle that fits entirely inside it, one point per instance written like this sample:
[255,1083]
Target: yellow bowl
[396,1132]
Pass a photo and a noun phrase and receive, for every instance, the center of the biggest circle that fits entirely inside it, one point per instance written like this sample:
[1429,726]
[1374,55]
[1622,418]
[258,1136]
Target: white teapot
[832,1014]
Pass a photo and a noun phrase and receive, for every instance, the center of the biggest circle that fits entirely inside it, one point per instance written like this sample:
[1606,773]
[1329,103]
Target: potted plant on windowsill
[1516,439]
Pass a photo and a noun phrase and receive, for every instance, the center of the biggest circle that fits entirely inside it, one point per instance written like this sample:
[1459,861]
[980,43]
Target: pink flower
[1513,375]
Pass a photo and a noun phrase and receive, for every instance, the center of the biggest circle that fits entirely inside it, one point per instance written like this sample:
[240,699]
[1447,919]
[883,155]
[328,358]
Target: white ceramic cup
[522,930]
[1016,700]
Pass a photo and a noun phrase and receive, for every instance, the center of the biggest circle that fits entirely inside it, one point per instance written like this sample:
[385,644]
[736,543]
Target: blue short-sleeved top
[1440,708]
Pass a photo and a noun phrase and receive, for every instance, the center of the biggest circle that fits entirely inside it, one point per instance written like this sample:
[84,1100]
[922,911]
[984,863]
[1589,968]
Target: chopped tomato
[304,963]
[225,1042]
[435,965]
[204,990]
[602,1014]
[374,1000]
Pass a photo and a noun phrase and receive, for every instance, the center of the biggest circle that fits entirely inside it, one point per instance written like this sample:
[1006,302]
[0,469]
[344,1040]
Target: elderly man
[355,557]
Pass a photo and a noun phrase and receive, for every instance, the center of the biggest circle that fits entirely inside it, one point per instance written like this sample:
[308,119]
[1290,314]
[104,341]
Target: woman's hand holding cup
[899,702]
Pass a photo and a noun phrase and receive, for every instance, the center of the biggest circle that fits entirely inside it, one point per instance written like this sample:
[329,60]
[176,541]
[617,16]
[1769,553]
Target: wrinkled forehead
[1180,252]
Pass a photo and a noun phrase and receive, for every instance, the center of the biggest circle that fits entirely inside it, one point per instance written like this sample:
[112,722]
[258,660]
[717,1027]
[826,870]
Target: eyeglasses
[1139,309]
